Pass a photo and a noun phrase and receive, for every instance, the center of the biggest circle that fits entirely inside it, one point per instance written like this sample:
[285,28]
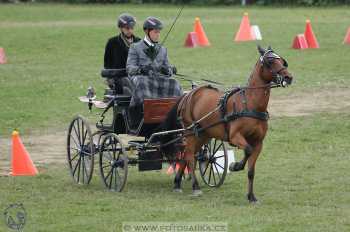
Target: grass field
[55,52]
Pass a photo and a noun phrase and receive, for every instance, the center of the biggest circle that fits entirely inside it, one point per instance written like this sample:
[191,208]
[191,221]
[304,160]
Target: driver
[149,69]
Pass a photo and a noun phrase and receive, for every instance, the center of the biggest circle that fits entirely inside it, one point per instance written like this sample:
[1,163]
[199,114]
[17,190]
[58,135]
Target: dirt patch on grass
[51,147]
[333,100]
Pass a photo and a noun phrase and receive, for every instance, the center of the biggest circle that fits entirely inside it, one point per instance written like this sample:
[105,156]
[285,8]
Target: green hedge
[207,2]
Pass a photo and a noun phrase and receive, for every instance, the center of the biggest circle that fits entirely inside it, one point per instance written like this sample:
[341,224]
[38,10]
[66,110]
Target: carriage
[117,145]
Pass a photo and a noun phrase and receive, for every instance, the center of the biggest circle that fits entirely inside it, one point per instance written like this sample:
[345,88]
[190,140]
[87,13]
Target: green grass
[55,52]
[301,181]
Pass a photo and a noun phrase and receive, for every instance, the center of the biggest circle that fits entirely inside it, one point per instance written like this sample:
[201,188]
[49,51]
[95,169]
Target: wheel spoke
[120,178]
[84,136]
[209,175]
[86,170]
[206,168]
[75,156]
[75,141]
[211,168]
[109,173]
[78,133]
[110,181]
[219,156]
[88,154]
[83,168]
[217,148]
[75,168]
[82,133]
[214,146]
[108,165]
[115,179]
[217,171]
[219,165]
[79,170]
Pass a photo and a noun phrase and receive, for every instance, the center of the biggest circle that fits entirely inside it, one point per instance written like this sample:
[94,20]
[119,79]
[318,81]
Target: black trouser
[135,115]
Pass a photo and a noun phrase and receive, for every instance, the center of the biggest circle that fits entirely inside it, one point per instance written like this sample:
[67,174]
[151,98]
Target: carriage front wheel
[113,163]
[212,162]
[80,150]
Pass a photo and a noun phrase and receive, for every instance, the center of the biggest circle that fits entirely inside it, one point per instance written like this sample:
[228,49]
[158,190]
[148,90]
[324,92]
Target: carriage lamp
[91,95]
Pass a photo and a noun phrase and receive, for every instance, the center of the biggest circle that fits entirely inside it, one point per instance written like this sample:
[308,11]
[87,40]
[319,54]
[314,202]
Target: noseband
[278,79]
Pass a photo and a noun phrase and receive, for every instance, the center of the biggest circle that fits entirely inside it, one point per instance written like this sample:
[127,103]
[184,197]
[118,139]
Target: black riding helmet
[152,23]
[126,20]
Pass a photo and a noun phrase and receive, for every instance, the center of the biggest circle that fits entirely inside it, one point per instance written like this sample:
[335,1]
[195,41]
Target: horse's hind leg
[241,143]
[196,191]
[178,176]
[251,172]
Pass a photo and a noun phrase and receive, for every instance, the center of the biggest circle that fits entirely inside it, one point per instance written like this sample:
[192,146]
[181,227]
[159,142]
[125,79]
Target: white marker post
[255,31]
[220,161]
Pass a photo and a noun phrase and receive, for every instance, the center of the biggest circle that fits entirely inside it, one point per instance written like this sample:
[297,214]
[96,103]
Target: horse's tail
[171,122]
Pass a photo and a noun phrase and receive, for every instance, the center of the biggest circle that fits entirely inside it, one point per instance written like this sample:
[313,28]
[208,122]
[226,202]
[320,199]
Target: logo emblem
[15,216]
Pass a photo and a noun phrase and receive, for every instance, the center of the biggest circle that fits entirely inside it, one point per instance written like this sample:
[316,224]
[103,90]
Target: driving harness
[225,118]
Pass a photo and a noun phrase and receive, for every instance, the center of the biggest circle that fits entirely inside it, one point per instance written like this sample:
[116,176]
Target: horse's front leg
[251,172]
[241,143]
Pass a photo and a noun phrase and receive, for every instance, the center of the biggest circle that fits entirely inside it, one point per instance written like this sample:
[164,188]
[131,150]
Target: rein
[195,128]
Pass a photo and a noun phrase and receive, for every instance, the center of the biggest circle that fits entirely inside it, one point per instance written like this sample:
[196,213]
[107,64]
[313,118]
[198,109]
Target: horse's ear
[261,50]
[269,48]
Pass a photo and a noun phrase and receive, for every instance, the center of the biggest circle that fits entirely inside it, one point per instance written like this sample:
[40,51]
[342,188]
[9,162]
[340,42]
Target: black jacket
[116,53]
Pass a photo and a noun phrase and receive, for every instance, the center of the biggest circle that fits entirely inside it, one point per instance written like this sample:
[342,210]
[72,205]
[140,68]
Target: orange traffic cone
[202,37]
[170,170]
[177,167]
[310,36]
[2,56]
[347,37]
[299,42]
[191,40]
[22,165]
[244,31]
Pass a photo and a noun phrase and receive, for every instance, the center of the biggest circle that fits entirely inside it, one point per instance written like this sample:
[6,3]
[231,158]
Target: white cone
[254,29]
[221,160]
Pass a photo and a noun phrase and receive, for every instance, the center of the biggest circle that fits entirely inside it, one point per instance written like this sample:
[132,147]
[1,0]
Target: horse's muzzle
[283,81]
[286,80]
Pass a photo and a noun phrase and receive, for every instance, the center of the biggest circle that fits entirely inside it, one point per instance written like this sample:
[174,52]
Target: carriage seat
[122,83]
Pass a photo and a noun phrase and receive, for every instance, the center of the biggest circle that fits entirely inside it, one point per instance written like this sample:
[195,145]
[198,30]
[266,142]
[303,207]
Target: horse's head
[274,68]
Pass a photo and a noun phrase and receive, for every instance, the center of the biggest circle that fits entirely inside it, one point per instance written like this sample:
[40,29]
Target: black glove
[146,69]
[165,70]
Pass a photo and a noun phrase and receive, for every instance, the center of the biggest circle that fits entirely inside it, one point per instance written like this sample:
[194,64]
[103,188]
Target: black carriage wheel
[113,163]
[212,163]
[80,151]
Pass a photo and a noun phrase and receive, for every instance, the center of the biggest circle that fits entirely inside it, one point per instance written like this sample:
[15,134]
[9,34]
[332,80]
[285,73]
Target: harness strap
[223,103]
[264,116]
[187,103]
[244,98]
[196,128]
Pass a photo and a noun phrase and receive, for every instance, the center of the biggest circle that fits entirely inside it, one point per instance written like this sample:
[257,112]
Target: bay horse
[238,116]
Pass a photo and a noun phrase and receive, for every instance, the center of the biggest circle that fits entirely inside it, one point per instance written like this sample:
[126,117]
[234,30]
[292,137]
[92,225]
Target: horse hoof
[177,190]
[256,202]
[235,166]
[197,193]
[252,199]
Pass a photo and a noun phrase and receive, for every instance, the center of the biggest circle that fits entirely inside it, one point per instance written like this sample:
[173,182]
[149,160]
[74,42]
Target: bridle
[278,80]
